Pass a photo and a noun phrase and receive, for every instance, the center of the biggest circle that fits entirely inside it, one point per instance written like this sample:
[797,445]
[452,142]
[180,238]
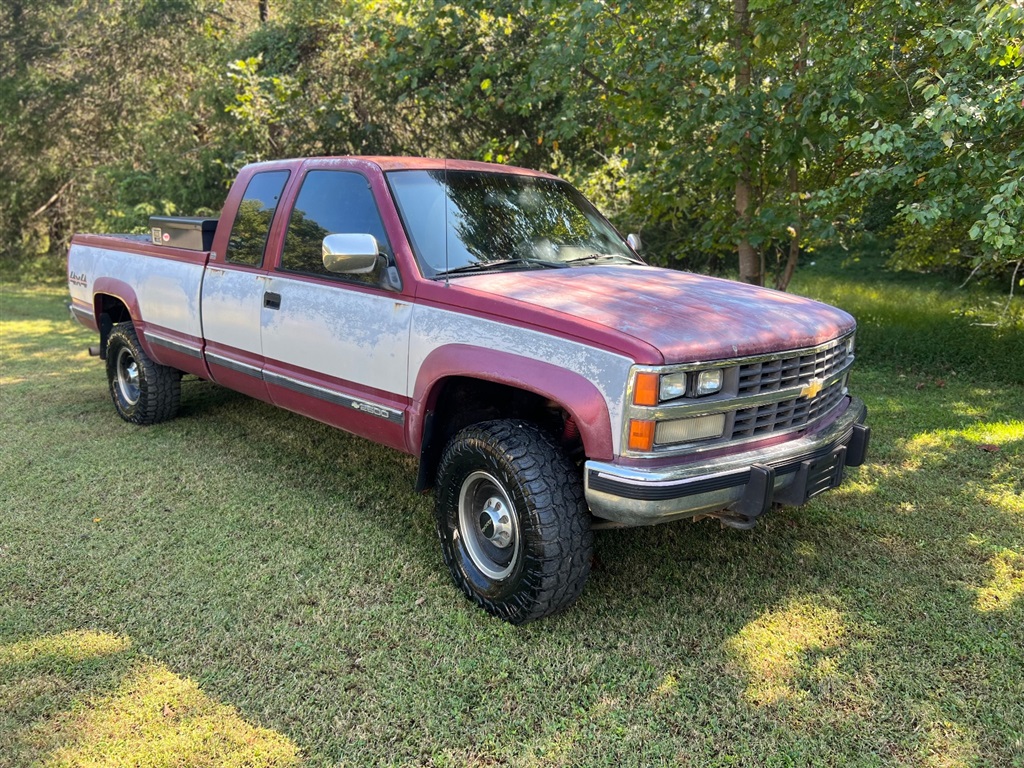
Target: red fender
[571,391]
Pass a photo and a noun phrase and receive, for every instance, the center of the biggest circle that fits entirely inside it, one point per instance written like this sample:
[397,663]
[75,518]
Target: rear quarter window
[251,226]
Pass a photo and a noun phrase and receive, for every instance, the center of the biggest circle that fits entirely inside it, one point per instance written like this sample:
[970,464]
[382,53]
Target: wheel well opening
[113,307]
[110,311]
[462,401]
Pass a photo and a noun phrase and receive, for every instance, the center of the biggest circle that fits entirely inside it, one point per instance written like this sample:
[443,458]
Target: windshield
[471,221]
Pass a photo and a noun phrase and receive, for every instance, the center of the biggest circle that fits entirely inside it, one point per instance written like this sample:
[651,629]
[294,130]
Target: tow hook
[727,520]
[735,521]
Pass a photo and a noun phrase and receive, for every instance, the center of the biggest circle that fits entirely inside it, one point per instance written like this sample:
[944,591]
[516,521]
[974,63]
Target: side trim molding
[175,346]
[393,415]
[234,365]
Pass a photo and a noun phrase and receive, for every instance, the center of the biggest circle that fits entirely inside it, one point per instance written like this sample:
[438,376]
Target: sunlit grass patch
[669,684]
[33,344]
[39,339]
[65,648]
[156,718]
[994,433]
[1006,585]
[85,698]
[783,646]
[989,437]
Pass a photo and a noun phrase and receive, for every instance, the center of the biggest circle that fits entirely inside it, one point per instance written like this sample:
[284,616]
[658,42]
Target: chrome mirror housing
[633,240]
[350,254]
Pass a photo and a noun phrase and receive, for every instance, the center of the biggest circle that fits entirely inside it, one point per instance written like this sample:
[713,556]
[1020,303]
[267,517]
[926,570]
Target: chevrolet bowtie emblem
[812,389]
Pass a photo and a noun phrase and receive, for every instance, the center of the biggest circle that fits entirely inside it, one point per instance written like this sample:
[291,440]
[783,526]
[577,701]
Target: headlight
[651,388]
[673,385]
[849,346]
[709,382]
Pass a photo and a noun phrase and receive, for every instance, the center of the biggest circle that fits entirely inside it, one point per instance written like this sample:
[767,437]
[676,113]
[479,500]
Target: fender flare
[120,290]
[573,392]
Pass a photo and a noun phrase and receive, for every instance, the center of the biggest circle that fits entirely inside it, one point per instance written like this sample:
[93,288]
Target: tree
[108,112]
[741,132]
[952,162]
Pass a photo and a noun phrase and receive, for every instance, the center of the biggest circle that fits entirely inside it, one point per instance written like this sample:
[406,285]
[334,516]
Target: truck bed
[140,244]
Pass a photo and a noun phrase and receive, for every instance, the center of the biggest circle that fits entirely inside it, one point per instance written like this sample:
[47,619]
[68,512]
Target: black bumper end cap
[757,496]
[857,448]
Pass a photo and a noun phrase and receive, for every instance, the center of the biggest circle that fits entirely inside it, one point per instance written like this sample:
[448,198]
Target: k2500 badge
[373,410]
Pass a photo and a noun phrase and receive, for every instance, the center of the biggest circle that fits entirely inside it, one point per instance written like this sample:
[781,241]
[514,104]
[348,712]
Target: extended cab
[491,322]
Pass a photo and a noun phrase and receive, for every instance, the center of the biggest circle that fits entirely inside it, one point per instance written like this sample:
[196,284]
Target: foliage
[954,157]
[830,121]
[98,116]
[262,106]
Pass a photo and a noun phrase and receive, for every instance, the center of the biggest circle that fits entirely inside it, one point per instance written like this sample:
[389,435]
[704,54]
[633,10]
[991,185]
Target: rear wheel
[514,527]
[143,392]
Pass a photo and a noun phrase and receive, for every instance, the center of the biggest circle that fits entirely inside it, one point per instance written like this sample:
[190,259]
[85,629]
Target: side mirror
[634,242]
[350,254]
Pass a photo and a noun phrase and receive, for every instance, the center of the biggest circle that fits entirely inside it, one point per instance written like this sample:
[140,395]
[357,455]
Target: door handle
[272,300]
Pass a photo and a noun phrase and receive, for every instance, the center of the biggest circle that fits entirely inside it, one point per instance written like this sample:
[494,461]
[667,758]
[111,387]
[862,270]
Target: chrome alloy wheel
[127,376]
[489,525]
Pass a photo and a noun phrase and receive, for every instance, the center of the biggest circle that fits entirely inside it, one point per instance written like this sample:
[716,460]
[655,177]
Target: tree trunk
[782,283]
[794,243]
[264,10]
[749,259]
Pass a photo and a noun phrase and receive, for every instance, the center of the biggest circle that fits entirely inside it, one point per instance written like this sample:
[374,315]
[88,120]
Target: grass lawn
[242,586]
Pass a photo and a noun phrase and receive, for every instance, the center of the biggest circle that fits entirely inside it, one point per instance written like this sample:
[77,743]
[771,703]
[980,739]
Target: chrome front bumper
[745,484]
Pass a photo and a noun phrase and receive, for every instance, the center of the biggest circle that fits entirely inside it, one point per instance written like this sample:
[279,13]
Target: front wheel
[513,524]
[143,392]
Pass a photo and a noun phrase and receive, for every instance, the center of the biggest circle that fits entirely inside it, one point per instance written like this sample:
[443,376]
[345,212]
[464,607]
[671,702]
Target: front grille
[792,371]
[787,414]
[761,397]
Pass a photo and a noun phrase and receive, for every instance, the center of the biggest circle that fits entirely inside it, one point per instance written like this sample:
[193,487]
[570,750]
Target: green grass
[242,586]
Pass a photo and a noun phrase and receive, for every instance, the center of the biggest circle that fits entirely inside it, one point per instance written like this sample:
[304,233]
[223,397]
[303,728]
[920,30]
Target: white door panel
[232,301]
[333,329]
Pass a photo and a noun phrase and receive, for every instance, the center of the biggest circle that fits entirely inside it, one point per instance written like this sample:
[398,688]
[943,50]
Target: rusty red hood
[687,317]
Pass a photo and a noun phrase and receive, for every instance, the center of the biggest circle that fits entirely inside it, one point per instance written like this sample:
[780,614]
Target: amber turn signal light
[646,390]
[641,435]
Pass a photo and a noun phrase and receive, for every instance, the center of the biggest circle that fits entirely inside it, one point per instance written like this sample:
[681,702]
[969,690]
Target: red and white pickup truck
[490,321]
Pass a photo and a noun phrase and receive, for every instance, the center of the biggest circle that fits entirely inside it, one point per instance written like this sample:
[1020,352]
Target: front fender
[578,396]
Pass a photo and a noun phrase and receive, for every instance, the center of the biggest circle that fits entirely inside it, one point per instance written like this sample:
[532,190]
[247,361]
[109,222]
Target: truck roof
[387,163]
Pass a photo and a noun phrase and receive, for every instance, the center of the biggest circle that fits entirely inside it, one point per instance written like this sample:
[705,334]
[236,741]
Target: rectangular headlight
[673,385]
[709,382]
[687,430]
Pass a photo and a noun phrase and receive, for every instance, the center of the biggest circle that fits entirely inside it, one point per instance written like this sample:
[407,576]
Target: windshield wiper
[485,266]
[596,257]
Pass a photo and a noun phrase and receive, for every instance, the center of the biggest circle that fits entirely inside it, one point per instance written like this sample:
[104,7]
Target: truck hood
[686,317]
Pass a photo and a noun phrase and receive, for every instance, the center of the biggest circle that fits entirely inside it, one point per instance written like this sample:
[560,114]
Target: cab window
[333,202]
[251,227]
